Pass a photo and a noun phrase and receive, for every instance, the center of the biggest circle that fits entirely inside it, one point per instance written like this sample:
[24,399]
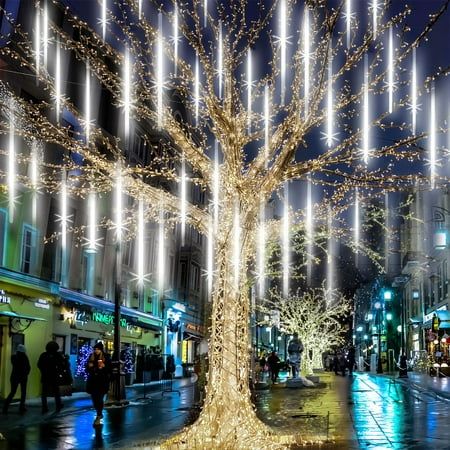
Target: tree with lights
[249,137]
[317,315]
[82,360]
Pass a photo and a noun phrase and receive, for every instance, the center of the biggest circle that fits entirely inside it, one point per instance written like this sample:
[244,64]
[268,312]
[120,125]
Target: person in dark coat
[19,376]
[273,362]
[51,363]
[99,375]
[351,360]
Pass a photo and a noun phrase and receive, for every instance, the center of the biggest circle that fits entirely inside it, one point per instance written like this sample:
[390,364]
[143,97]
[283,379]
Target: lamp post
[378,306]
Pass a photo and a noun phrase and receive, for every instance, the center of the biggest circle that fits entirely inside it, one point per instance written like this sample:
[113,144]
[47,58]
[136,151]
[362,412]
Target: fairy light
[266,122]
[387,233]
[160,73]
[391,71]
[374,18]
[64,219]
[87,104]
[37,40]
[432,146]
[104,20]
[262,250]
[306,58]
[127,92]
[286,242]
[34,177]
[197,89]
[45,37]
[140,243]
[356,224]
[11,162]
[283,46]
[236,245]
[366,125]
[249,90]
[414,106]
[92,223]
[220,59]
[183,199]
[309,230]
[58,93]
[119,205]
[348,17]
[175,38]
[161,250]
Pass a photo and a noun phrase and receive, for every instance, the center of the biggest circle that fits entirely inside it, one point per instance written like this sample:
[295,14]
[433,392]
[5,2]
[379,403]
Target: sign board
[4,298]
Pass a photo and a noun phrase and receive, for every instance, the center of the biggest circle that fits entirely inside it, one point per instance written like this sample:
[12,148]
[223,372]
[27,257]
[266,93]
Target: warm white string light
[141,244]
[236,245]
[11,162]
[391,82]
[160,73]
[286,242]
[127,91]
[220,59]
[249,90]
[87,104]
[283,20]
[306,59]
[432,147]
[366,114]
[183,199]
[216,186]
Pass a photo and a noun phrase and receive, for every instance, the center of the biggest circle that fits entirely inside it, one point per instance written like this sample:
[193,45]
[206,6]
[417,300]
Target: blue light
[387,295]
[440,239]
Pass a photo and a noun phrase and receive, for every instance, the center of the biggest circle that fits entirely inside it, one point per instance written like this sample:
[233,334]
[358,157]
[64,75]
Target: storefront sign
[4,299]
[40,303]
[428,317]
[107,319]
[192,327]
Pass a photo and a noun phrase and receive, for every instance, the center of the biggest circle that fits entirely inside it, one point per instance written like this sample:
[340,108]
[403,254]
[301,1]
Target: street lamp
[378,308]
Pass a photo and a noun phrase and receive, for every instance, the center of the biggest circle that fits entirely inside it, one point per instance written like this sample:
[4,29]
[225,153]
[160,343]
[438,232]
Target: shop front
[82,320]
[26,307]
[437,330]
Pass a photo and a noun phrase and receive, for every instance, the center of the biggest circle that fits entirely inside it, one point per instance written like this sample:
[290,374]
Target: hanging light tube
[220,59]
[127,91]
[160,73]
[87,104]
[283,47]
[249,90]
[92,223]
[183,199]
[306,59]
[432,147]
[37,40]
[286,242]
[175,37]
[366,125]
[197,89]
[140,244]
[391,71]
[262,250]
[11,163]
[161,247]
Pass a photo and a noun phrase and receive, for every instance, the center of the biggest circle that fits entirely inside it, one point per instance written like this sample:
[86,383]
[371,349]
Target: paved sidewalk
[79,402]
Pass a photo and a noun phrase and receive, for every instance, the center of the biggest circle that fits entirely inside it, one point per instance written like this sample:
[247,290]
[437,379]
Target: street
[366,411]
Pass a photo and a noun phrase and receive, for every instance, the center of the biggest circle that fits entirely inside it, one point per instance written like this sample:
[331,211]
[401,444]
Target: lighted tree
[318,316]
[262,124]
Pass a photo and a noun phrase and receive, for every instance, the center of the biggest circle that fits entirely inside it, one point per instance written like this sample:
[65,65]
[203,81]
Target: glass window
[195,277]
[28,249]
[3,225]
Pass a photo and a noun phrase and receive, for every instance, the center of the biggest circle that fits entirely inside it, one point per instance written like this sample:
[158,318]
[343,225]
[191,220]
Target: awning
[13,315]
[191,337]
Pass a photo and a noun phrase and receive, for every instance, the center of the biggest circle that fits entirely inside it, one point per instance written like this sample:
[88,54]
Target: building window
[183,274]
[3,227]
[28,249]
[195,277]
[127,254]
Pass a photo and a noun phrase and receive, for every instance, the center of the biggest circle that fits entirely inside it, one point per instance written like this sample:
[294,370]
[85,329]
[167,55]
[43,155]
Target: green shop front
[82,320]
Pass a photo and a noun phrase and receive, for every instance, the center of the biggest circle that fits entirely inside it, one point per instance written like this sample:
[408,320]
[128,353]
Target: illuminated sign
[3,298]
[40,303]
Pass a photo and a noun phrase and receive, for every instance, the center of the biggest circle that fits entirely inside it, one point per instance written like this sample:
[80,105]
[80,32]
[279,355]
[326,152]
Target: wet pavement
[366,411]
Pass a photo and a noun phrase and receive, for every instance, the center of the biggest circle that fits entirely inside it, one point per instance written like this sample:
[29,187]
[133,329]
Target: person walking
[19,376]
[273,362]
[351,360]
[51,363]
[99,375]
[295,350]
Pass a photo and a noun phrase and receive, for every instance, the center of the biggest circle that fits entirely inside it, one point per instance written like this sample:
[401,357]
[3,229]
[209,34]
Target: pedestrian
[336,363]
[351,360]
[274,365]
[295,350]
[262,366]
[19,376]
[403,367]
[99,375]
[51,363]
